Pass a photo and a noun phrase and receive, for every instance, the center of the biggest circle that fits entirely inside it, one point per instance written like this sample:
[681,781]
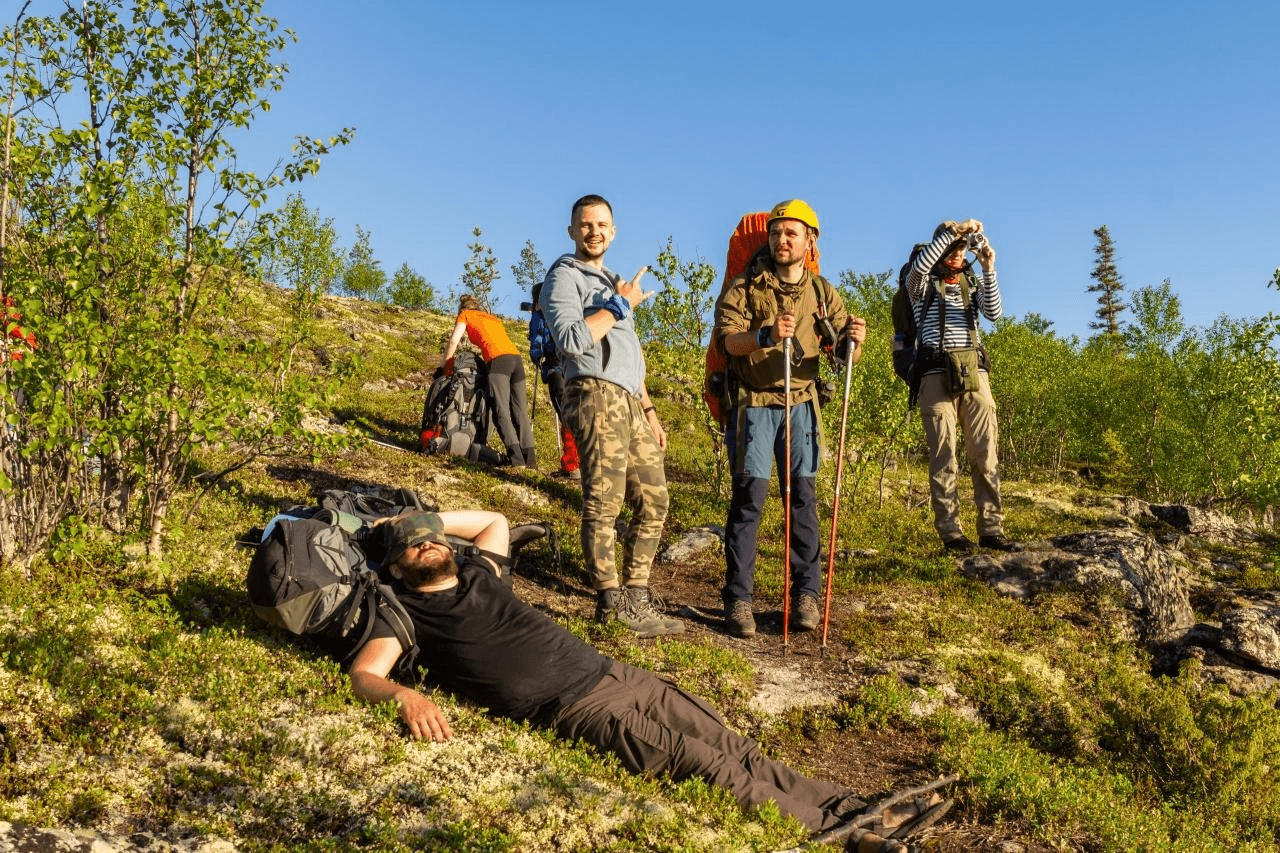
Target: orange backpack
[748,244]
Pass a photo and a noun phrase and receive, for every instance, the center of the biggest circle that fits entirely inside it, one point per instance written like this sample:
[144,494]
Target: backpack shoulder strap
[821,293]
[929,293]
[379,599]
[970,308]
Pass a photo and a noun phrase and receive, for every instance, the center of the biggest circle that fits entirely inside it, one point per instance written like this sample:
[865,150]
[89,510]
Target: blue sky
[1044,120]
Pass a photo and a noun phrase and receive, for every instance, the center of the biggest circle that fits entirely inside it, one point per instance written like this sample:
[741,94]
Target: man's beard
[416,574]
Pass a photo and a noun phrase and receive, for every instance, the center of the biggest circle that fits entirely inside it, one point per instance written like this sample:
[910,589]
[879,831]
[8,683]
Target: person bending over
[505,375]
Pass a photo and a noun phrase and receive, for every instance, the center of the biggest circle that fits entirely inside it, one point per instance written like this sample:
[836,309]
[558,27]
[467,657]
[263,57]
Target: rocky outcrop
[1186,519]
[1150,581]
[1252,630]
[1144,585]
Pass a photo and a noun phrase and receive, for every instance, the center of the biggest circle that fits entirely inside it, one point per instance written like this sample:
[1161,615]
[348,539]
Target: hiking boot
[998,542]
[739,619]
[806,615]
[674,626]
[530,457]
[860,840]
[878,827]
[607,604]
[907,819]
[562,474]
[635,609]
[959,545]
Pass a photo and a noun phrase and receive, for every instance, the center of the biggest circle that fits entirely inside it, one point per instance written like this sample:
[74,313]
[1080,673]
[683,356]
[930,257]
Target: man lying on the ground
[482,643]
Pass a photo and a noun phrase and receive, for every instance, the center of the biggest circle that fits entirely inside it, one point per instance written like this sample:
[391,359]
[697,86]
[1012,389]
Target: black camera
[526,306]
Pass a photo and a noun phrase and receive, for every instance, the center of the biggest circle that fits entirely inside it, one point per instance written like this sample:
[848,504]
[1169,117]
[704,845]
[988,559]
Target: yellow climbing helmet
[795,209]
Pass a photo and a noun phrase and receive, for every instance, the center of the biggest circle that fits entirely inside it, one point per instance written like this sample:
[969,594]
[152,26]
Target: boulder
[1153,584]
[1240,649]
[1197,522]
[1252,630]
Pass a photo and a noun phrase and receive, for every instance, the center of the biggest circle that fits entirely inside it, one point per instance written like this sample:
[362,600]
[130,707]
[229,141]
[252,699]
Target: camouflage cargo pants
[619,460]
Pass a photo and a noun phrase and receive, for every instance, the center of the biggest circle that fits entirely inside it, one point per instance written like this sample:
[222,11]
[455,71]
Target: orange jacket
[486,332]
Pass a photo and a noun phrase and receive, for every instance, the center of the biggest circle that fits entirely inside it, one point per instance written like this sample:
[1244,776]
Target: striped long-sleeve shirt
[985,297]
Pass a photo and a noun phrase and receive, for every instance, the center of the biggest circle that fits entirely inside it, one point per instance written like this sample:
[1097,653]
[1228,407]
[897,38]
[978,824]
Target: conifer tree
[479,272]
[364,276]
[1107,284]
[530,271]
[410,289]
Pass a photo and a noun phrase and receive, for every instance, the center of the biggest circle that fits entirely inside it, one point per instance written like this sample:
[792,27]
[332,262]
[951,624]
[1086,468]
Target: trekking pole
[835,505]
[786,493]
[533,407]
[559,430]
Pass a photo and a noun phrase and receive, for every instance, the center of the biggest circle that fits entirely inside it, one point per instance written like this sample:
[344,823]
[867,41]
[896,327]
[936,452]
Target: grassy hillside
[147,697]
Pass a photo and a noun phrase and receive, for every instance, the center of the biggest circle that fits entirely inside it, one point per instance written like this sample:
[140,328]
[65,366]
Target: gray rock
[1252,631]
[692,543]
[1153,584]
[1216,669]
[1152,580]
[1199,522]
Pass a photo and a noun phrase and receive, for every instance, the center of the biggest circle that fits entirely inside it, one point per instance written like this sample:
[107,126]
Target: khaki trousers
[976,412]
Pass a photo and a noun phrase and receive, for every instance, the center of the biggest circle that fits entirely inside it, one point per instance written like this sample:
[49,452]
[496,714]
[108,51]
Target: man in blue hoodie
[621,442]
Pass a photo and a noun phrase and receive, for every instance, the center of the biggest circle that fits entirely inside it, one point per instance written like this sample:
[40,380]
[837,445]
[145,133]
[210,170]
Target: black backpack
[311,574]
[455,415]
[906,337]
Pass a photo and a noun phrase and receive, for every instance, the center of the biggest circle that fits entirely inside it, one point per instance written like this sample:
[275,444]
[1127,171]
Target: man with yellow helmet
[778,300]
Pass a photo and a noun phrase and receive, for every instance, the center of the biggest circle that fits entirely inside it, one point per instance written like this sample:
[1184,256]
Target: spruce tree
[530,271]
[479,272]
[1107,284]
[363,276]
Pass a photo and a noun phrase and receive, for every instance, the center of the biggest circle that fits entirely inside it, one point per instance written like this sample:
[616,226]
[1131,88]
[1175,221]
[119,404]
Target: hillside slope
[147,698]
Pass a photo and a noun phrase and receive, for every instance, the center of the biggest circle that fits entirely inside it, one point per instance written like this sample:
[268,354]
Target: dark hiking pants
[510,406]
[653,727]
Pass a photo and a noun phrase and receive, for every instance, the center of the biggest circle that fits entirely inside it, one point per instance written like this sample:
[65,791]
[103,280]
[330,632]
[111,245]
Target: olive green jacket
[753,301]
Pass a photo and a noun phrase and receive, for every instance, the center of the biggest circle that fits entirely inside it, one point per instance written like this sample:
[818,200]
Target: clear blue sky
[1044,120]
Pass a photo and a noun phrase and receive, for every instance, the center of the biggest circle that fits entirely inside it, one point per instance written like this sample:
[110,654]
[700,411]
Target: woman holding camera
[505,376]
[947,296]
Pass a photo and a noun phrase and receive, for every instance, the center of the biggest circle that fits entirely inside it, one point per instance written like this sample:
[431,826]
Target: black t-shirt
[479,641]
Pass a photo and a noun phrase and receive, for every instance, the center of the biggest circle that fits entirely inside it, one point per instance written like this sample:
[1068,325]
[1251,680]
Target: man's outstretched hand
[631,290]
[423,717]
